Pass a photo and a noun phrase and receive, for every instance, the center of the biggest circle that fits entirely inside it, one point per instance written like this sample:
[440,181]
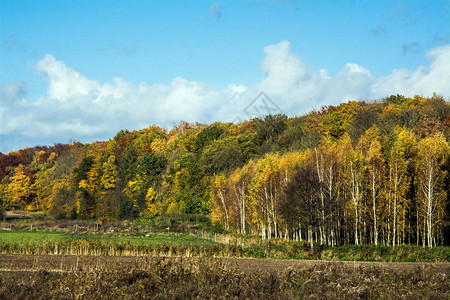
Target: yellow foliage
[19,189]
[109,176]
[52,157]
[417,101]
[151,207]
[83,184]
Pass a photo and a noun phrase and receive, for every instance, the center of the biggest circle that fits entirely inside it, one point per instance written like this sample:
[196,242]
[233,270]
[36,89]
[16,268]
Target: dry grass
[158,278]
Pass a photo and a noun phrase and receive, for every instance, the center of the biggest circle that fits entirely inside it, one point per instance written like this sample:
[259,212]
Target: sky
[82,70]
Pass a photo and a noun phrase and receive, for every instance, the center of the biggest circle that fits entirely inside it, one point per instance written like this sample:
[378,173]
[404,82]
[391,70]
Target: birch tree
[353,178]
[432,154]
[220,210]
[325,162]
[370,146]
[399,181]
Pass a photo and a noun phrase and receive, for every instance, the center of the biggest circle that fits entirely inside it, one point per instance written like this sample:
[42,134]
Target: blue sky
[82,70]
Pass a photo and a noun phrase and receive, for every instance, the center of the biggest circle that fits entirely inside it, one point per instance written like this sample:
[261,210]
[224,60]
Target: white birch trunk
[219,192]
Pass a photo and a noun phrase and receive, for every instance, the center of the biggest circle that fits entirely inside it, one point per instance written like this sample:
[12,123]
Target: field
[74,260]
[59,276]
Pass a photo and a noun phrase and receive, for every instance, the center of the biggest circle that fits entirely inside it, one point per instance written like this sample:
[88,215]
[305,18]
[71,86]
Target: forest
[361,172]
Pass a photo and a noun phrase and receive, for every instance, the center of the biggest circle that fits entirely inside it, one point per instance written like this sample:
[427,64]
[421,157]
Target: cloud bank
[80,108]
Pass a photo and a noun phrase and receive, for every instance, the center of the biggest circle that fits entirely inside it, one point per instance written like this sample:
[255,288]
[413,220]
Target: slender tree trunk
[243,209]
[240,196]
[320,175]
[417,227]
[355,197]
[396,183]
[430,204]
[424,239]
[404,225]
[388,233]
[331,202]
[274,217]
[219,192]
[300,231]
[374,197]
[395,221]
[269,221]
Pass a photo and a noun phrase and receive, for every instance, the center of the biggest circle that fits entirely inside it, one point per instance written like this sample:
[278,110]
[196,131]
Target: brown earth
[132,277]
[22,262]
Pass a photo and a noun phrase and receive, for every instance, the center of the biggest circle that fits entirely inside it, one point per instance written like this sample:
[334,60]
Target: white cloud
[297,87]
[424,80]
[77,107]
[64,82]
[283,69]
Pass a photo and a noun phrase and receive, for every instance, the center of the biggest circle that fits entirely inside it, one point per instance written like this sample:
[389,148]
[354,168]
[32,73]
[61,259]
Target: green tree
[221,155]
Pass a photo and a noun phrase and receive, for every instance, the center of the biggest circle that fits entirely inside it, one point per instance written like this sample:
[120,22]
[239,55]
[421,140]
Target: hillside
[360,172]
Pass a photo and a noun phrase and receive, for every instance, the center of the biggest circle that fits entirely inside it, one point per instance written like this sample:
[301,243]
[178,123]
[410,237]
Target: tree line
[360,172]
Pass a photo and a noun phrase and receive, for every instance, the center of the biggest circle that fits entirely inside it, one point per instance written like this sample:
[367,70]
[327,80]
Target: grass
[31,236]
[176,244]
[401,253]
[191,235]
[153,239]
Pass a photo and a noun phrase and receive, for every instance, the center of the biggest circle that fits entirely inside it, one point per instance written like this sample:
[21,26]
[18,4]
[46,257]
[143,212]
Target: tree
[19,190]
[270,127]
[128,162]
[370,146]
[218,196]
[147,174]
[399,181]
[43,166]
[109,173]
[394,99]
[325,162]
[62,199]
[300,202]
[239,180]
[432,155]
[220,155]
[266,184]
[353,170]
[207,135]
[365,117]
[150,208]
[338,119]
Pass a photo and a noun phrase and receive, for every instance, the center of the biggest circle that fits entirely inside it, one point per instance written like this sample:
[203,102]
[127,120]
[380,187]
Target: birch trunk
[227,227]
[374,196]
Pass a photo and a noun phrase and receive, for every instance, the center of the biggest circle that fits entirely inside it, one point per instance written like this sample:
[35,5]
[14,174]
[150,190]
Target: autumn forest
[357,173]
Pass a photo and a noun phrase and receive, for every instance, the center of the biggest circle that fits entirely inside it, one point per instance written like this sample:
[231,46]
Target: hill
[360,172]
